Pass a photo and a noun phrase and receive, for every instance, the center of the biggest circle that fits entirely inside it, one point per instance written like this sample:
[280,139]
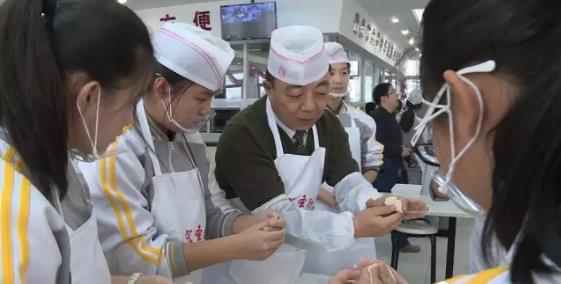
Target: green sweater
[246,153]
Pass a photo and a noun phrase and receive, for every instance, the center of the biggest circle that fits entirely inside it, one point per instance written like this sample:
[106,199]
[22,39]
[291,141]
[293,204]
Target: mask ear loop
[168,110]
[93,141]
[96,135]
[169,113]
[429,115]
[470,143]
[485,67]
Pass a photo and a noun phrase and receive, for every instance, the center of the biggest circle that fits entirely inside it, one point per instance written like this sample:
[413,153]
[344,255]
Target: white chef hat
[416,96]
[193,53]
[336,53]
[297,55]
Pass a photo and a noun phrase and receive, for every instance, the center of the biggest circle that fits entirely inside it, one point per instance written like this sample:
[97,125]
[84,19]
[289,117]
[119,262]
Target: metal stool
[420,228]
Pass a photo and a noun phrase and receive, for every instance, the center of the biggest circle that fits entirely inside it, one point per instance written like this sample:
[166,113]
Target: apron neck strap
[316,137]
[352,120]
[272,121]
[346,111]
[147,135]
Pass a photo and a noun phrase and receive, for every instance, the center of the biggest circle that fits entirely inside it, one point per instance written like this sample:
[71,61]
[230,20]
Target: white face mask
[446,186]
[338,96]
[194,127]
[81,155]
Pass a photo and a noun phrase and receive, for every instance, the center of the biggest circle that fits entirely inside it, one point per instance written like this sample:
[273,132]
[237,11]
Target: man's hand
[376,221]
[412,208]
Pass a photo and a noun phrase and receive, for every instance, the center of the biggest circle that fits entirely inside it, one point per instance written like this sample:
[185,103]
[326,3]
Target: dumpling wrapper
[396,202]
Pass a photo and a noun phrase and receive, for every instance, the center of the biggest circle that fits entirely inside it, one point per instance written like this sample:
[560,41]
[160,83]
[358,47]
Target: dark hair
[177,82]
[523,37]
[348,67]
[381,90]
[41,43]
[270,78]
[369,107]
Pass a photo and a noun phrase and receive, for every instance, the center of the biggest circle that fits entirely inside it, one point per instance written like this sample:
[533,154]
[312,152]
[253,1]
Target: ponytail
[32,94]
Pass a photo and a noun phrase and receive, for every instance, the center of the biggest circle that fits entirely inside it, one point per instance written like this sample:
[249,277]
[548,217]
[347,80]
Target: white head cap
[415,97]
[193,53]
[336,53]
[297,55]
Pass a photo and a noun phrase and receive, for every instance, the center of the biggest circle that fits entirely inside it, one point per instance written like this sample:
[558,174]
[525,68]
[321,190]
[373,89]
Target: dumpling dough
[396,202]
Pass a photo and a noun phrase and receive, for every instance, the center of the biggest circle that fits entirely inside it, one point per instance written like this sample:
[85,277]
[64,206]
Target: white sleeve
[220,213]
[128,235]
[319,229]
[372,150]
[33,239]
[353,191]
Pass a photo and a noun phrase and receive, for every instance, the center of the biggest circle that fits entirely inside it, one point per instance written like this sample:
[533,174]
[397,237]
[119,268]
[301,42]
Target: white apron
[331,263]
[353,134]
[178,206]
[87,261]
[302,177]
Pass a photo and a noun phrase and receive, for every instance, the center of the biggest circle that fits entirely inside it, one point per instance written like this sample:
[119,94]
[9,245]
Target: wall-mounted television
[248,21]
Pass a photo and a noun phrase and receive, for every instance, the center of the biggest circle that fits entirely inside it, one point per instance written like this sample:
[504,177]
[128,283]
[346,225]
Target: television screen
[248,21]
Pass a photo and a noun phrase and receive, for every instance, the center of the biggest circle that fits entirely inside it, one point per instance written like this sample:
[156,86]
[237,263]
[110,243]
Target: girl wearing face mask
[67,84]
[494,119]
[493,92]
[158,204]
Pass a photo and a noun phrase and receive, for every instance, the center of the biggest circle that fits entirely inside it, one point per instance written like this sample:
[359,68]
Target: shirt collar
[342,108]
[157,132]
[290,132]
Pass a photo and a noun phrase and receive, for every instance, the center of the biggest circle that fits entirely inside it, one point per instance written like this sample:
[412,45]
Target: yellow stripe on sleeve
[126,207]
[108,189]
[5,224]
[488,275]
[9,154]
[23,217]
[453,280]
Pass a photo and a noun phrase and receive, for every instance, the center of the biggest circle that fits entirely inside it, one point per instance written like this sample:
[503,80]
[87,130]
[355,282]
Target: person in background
[412,115]
[181,220]
[410,119]
[365,150]
[369,108]
[68,84]
[389,134]
[360,127]
[276,153]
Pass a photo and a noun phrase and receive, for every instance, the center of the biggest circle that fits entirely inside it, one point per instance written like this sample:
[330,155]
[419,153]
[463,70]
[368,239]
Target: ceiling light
[412,41]
[417,49]
[122,1]
[418,13]
[404,32]
[395,20]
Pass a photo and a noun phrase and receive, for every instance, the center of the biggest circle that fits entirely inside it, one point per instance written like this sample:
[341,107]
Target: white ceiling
[381,10]
[384,10]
